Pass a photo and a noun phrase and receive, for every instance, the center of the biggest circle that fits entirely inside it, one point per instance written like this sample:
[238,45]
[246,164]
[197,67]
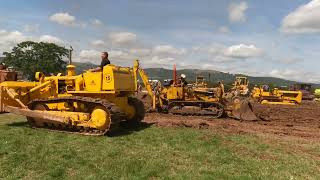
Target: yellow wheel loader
[176,97]
[200,82]
[241,85]
[92,103]
[276,96]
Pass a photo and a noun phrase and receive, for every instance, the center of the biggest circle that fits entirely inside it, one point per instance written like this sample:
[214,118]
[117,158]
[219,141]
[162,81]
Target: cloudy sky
[260,38]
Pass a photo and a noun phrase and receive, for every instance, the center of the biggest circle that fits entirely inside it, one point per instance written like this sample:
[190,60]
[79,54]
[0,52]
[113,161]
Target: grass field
[152,153]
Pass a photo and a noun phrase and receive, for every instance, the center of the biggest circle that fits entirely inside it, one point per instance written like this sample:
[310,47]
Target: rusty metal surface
[8,75]
[35,114]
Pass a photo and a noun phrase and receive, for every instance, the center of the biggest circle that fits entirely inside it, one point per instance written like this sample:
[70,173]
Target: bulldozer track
[212,109]
[115,112]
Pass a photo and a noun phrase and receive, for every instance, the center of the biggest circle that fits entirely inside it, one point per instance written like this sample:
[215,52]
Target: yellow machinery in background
[283,97]
[91,103]
[178,98]
[200,82]
[241,85]
[305,88]
[317,94]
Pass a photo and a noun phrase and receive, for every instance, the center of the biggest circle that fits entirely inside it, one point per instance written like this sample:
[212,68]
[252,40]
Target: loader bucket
[243,111]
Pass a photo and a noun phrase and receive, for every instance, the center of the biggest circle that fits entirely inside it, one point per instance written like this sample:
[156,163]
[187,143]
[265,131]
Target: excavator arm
[145,80]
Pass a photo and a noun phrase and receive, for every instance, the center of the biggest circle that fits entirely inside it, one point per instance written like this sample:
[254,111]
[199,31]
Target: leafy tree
[30,57]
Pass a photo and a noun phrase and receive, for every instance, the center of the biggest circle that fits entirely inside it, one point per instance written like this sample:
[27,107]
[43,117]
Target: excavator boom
[145,80]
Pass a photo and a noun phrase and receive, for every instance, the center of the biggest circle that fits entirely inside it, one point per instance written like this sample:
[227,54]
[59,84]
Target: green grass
[150,153]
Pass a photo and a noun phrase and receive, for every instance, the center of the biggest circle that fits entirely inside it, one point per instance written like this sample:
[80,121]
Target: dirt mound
[300,121]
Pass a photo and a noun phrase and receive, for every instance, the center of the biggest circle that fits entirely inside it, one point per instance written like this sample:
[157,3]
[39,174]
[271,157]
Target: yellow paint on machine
[276,96]
[114,84]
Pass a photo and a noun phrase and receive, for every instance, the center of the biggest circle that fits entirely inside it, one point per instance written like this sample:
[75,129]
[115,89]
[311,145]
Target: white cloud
[50,39]
[8,39]
[96,22]
[31,28]
[289,60]
[63,18]
[295,75]
[89,55]
[123,37]
[81,24]
[98,43]
[140,52]
[243,51]
[305,19]
[237,12]
[168,50]
[119,55]
[221,53]
[215,49]
[116,56]
[11,37]
[282,73]
[166,62]
[224,29]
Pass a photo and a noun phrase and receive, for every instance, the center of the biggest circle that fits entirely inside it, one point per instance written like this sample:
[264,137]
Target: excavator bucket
[242,110]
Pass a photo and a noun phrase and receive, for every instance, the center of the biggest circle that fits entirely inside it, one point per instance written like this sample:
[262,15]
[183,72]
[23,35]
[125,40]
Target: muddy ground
[301,121]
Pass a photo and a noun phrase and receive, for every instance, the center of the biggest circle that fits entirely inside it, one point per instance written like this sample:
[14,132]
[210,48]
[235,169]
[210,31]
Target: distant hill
[80,67]
[215,76]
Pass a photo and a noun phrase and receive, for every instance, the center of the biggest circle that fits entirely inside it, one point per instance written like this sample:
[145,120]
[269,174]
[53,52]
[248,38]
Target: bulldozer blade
[244,111]
[35,114]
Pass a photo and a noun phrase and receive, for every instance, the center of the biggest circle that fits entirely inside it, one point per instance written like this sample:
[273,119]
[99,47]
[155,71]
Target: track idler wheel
[100,118]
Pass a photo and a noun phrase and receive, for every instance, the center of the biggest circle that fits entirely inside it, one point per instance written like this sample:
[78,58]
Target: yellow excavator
[176,97]
[276,96]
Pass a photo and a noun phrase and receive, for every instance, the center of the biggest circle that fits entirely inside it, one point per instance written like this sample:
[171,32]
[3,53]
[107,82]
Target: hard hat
[183,76]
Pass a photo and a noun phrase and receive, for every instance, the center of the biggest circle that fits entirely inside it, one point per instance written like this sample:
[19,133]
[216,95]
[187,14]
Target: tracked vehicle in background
[176,97]
[306,90]
[264,95]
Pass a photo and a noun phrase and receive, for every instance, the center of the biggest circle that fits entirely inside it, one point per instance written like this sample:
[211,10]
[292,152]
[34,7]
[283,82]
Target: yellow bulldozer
[92,103]
[177,97]
[276,96]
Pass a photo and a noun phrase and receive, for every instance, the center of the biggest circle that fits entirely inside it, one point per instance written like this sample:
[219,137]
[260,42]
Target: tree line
[30,57]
